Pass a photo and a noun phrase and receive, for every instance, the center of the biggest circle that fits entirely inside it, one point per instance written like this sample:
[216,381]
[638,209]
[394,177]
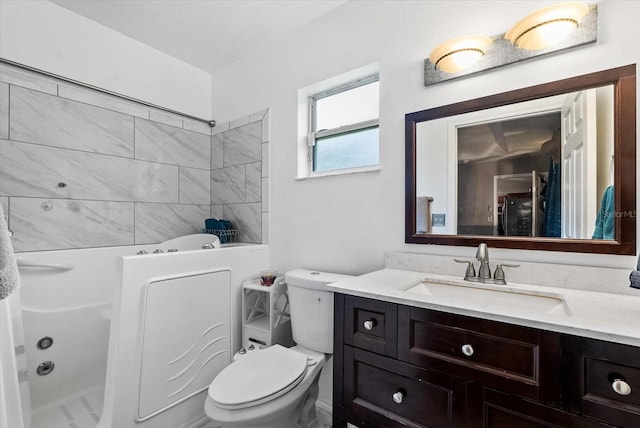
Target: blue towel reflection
[606,219]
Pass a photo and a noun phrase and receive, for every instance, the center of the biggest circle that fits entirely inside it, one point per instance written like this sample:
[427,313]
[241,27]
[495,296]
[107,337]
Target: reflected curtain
[553,206]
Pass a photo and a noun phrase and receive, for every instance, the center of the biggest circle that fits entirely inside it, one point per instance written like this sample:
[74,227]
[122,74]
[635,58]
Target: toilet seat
[257,378]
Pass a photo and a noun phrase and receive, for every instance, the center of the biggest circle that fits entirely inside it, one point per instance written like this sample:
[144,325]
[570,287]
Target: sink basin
[494,296]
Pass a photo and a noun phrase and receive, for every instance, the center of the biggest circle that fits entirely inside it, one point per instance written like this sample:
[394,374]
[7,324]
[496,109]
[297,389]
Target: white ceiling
[208,34]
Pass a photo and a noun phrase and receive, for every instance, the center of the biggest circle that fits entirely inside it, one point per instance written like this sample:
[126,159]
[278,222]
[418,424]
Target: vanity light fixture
[528,39]
[460,53]
[548,26]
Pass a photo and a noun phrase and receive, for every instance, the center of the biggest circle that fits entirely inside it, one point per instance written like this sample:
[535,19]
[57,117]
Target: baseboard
[199,421]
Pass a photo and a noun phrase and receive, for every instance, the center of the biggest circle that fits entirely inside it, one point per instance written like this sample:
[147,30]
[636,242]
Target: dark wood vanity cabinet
[397,365]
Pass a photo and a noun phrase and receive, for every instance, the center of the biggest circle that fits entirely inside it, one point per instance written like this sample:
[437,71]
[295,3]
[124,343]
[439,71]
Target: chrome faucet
[484,271]
[483,256]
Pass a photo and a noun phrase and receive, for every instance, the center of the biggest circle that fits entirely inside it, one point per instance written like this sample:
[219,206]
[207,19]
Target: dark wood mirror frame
[624,81]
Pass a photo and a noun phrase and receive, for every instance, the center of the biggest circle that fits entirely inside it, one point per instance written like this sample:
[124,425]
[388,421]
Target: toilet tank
[311,307]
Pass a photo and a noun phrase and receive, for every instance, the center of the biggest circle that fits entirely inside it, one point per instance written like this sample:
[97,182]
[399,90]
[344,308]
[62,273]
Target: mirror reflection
[540,168]
[546,167]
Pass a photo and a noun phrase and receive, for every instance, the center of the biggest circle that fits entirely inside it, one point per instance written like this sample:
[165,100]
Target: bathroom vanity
[407,352]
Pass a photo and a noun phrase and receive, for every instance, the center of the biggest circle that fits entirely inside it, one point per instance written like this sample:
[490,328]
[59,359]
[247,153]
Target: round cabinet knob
[467,350]
[621,387]
[369,324]
[398,397]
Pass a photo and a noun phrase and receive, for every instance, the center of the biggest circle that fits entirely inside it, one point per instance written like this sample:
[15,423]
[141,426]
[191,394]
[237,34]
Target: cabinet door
[505,411]
[371,325]
[381,392]
[603,364]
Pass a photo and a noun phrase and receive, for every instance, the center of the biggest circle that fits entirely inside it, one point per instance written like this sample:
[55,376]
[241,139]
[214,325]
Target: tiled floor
[84,410]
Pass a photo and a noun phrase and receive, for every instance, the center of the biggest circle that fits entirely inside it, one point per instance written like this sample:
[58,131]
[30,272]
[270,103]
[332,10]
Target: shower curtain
[553,207]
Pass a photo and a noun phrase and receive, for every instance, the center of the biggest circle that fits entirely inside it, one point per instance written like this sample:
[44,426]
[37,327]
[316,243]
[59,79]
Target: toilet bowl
[267,388]
[277,387]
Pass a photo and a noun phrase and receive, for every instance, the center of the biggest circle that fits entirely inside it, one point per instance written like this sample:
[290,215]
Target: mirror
[549,167]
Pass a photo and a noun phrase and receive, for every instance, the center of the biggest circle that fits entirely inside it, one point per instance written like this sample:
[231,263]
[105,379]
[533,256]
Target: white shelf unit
[266,318]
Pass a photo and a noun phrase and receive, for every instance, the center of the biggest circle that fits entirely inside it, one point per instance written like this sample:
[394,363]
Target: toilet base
[286,417]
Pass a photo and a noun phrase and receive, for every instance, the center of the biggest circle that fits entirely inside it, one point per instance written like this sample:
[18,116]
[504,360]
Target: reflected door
[579,204]
[518,204]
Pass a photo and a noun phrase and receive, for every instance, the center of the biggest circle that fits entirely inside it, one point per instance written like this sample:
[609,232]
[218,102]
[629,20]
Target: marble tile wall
[157,142]
[49,120]
[240,175]
[79,168]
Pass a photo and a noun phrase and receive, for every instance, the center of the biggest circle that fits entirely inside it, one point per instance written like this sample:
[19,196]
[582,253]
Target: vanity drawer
[603,364]
[501,356]
[371,325]
[382,392]
[507,411]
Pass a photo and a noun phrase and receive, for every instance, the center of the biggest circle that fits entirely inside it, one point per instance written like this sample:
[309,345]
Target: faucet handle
[471,271]
[499,274]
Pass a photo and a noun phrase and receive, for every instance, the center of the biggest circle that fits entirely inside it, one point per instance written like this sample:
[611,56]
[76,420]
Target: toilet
[277,387]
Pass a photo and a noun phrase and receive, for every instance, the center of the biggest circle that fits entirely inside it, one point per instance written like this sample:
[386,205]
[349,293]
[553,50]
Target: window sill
[335,172]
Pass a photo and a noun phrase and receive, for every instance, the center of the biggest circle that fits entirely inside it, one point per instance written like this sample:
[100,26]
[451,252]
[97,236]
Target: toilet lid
[258,377]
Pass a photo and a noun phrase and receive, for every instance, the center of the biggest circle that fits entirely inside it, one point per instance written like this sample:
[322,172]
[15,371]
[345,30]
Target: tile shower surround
[79,168]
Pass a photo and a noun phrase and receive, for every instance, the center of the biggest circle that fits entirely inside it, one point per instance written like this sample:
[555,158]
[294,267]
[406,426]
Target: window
[344,126]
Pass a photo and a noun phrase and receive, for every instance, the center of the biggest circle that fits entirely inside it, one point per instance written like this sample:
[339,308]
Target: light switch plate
[437,220]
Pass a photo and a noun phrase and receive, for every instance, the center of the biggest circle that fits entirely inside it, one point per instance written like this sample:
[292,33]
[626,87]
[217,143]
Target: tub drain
[45,368]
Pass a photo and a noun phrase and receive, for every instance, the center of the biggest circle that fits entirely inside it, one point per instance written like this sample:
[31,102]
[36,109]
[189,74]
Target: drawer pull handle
[467,350]
[369,324]
[398,397]
[621,387]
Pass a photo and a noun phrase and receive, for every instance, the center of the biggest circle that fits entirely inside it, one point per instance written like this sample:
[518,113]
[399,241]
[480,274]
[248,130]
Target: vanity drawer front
[604,364]
[371,325]
[498,355]
[379,391]
[507,411]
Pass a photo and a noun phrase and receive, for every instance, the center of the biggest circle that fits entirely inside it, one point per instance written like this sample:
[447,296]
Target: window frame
[314,135]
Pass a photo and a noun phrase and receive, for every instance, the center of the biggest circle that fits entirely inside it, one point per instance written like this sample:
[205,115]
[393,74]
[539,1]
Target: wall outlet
[437,220]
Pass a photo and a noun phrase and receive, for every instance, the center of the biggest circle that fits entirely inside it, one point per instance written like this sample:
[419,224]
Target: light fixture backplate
[502,52]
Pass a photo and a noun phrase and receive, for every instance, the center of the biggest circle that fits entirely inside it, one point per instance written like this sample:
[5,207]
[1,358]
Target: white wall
[48,37]
[341,223]
[346,223]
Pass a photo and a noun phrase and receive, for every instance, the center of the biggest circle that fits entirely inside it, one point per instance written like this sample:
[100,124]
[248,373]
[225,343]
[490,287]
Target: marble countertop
[604,316]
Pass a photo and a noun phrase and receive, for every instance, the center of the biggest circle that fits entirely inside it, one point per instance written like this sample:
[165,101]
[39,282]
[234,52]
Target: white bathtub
[118,319]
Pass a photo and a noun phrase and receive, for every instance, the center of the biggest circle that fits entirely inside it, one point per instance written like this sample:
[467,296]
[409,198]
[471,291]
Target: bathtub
[135,338]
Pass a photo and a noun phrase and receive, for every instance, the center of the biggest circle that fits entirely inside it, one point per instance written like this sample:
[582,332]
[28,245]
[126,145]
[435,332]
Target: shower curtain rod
[211,122]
